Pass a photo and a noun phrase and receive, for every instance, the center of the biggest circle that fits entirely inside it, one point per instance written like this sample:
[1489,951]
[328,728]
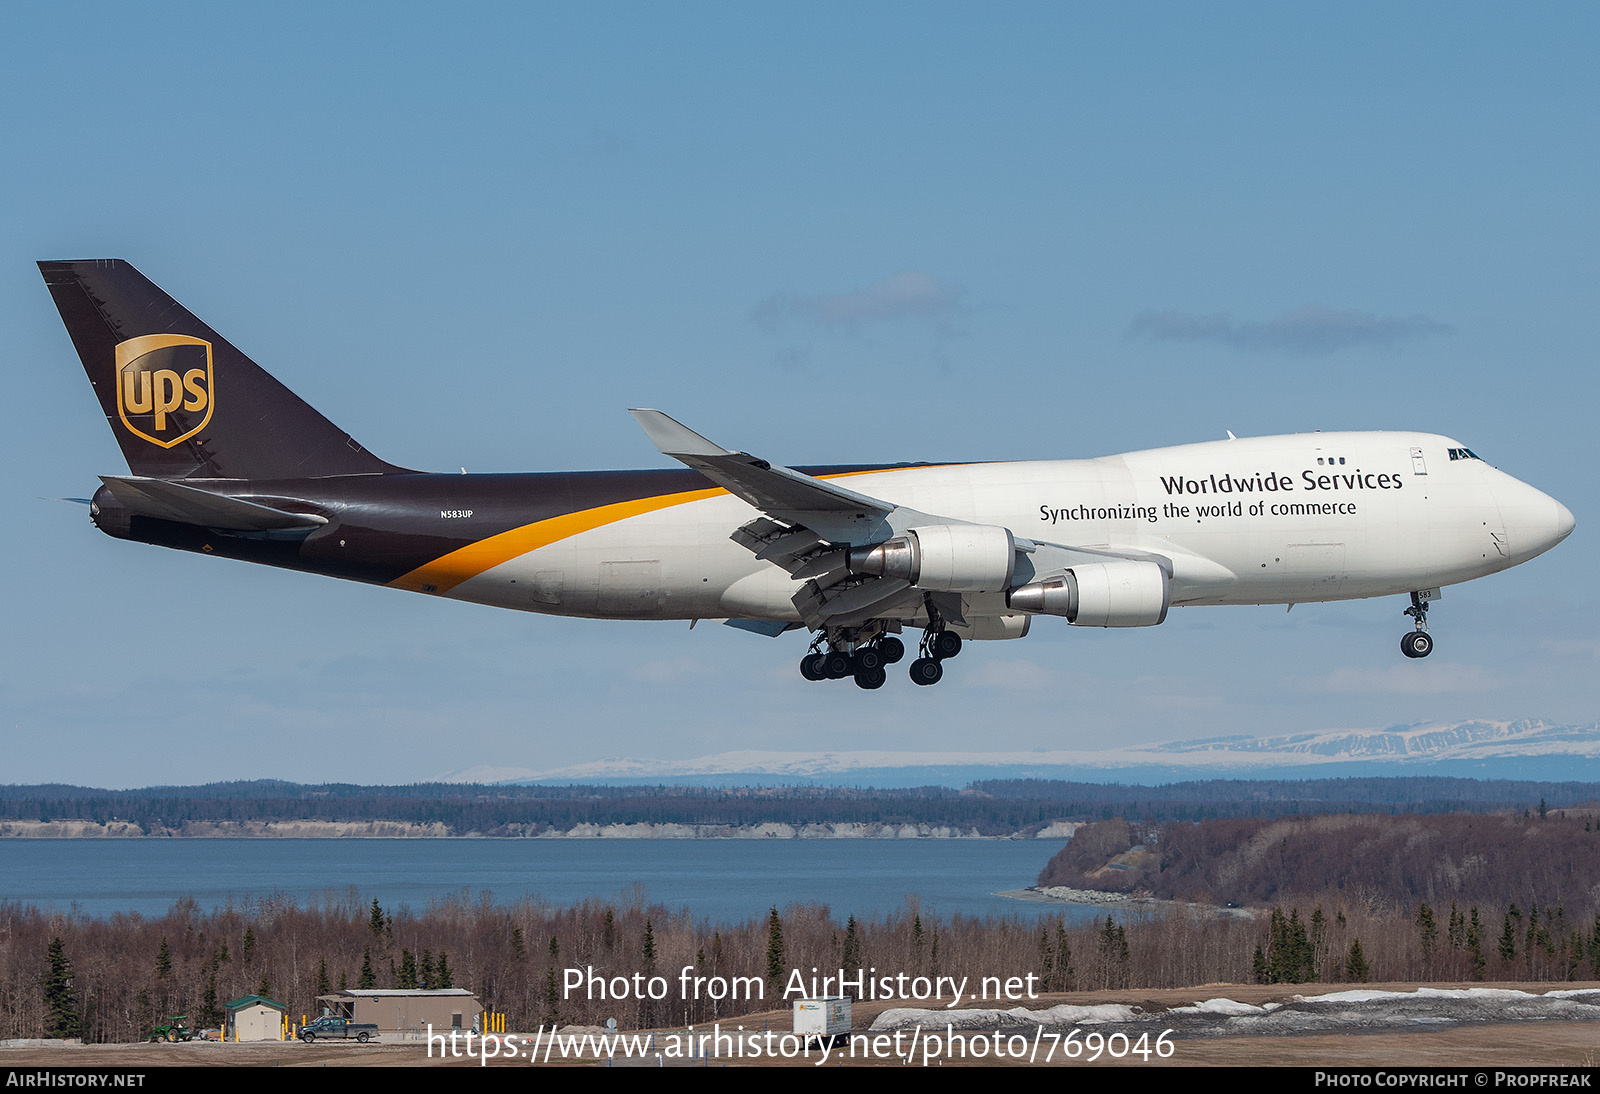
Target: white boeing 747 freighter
[225,460]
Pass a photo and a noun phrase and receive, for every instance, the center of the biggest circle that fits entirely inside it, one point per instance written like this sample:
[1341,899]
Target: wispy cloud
[671,670]
[1431,679]
[1311,331]
[909,294]
[1582,647]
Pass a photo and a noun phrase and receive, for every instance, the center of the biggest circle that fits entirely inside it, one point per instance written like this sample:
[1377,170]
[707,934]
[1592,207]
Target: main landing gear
[1418,642]
[865,653]
[937,646]
[865,661]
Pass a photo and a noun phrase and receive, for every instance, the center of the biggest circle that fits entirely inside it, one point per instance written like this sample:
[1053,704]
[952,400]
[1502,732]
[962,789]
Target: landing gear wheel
[892,650]
[926,670]
[871,679]
[867,659]
[1416,644]
[811,666]
[946,644]
[836,665]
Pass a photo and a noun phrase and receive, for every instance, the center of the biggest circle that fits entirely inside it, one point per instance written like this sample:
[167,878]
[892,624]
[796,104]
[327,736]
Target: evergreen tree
[1532,939]
[163,961]
[1299,959]
[323,987]
[249,946]
[775,958]
[61,1015]
[518,950]
[851,958]
[368,978]
[1114,953]
[264,987]
[1508,933]
[1594,949]
[1428,929]
[210,1010]
[425,970]
[1066,975]
[1290,955]
[1475,945]
[446,978]
[649,948]
[1261,970]
[375,922]
[1355,965]
[408,970]
[1277,948]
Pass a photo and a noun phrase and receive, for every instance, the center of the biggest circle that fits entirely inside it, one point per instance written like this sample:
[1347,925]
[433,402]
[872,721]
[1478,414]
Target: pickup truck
[338,1029]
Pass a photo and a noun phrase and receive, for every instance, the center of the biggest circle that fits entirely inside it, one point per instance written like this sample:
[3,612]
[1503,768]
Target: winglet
[674,438]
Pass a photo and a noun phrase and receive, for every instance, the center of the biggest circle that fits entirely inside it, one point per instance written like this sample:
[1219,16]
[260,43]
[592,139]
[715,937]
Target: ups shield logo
[165,388]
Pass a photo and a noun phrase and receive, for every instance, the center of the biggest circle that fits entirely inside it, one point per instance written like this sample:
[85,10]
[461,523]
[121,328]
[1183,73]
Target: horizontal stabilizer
[173,501]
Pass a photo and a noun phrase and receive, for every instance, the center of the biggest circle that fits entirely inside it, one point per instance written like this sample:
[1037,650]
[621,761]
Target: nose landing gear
[1418,642]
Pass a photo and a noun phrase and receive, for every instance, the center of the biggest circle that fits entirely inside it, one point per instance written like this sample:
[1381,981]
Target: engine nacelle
[1100,594]
[946,558]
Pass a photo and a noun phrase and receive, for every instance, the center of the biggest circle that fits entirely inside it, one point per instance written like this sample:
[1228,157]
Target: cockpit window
[1463,454]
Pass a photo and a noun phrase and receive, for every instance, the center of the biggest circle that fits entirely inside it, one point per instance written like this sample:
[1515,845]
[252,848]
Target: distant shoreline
[311,829]
[1062,894]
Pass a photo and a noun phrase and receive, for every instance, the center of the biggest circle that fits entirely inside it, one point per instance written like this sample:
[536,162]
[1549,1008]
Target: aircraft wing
[769,488]
[809,526]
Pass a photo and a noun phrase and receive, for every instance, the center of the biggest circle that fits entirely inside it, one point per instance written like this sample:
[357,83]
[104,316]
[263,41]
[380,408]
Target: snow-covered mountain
[1482,749]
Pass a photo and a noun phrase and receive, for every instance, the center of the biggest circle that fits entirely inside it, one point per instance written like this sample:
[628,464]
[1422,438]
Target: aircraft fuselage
[1268,520]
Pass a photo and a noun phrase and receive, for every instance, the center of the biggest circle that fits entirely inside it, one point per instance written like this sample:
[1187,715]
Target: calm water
[726,880]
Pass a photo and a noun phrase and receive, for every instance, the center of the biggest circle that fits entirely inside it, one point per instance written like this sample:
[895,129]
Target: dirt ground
[1473,1045]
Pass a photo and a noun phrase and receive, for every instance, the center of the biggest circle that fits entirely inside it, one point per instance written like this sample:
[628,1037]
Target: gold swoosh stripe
[447,571]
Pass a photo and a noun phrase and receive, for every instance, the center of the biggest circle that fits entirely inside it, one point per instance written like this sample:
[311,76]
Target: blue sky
[820,232]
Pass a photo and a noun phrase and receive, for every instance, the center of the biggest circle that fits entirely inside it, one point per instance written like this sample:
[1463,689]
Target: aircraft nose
[1565,522]
[1535,522]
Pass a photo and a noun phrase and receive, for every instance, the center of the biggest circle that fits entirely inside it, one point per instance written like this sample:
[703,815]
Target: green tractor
[175,1028]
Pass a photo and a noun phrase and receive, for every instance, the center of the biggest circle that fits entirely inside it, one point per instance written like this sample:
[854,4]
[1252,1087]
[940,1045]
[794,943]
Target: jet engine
[946,558]
[1100,594]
